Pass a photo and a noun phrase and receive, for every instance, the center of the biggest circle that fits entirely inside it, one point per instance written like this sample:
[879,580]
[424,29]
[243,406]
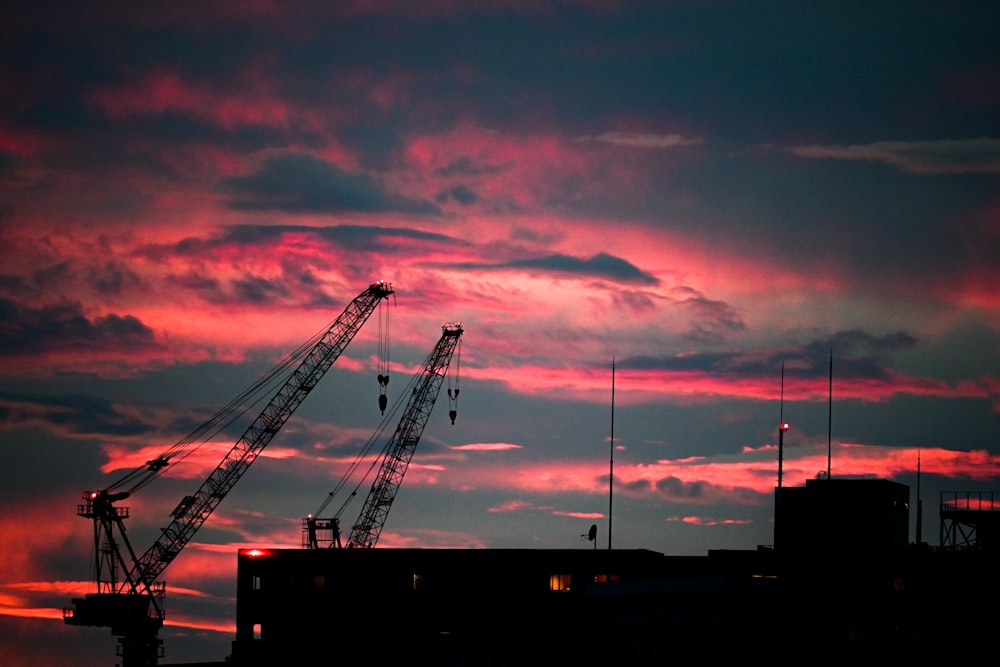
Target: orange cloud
[580,515]
[486,447]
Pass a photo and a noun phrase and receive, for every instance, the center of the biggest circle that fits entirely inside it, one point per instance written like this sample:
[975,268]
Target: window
[418,582]
[559,582]
[605,578]
[256,631]
[256,582]
[319,582]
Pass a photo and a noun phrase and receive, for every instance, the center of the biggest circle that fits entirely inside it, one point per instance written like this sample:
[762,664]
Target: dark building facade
[430,605]
[843,516]
[840,579]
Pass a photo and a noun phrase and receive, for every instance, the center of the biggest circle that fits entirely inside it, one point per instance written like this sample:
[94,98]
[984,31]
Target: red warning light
[784,426]
[256,553]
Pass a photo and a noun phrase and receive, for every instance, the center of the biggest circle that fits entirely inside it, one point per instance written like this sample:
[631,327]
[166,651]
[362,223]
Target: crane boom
[193,510]
[131,605]
[366,531]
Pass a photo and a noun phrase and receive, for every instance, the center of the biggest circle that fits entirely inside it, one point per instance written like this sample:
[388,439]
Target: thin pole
[781,424]
[611,469]
[829,420]
[920,507]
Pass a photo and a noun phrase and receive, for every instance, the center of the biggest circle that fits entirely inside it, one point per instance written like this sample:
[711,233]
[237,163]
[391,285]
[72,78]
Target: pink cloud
[749,478]
[706,521]
[486,447]
[639,386]
[512,506]
[197,465]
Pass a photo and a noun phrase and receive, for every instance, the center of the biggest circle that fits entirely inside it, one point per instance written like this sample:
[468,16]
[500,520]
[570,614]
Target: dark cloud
[54,276]
[355,238]
[856,353]
[64,327]
[940,156]
[464,166]
[305,184]
[12,171]
[113,278]
[377,144]
[677,489]
[853,220]
[459,193]
[635,301]
[601,266]
[293,286]
[349,237]
[258,290]
[15,285]
[72,414]
[712,321]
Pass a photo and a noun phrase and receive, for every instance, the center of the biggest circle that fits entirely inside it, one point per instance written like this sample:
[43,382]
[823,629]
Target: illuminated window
[605,578]
[256,630]
[256,582]
[418,582]
[559,582]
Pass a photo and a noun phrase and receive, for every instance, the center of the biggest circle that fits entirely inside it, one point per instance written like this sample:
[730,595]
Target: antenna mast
[782,426]
[829,420]
[920,507]
[611,476]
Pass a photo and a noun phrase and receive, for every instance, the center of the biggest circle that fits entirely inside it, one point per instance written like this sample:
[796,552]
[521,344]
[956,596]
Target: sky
[664,227]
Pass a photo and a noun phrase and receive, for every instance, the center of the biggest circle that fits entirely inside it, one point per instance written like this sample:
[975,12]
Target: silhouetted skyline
[700,193]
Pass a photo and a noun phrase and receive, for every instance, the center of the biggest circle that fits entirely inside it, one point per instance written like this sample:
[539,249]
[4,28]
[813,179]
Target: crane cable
[364,453]
[453,393]
[222,419]
[383,357]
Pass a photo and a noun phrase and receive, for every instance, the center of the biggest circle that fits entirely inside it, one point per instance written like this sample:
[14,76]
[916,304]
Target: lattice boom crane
[366,531]
[398,452]
[129,599]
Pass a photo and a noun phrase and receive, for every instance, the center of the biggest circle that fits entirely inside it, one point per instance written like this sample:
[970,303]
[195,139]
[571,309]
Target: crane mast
[366,531]
[129,599]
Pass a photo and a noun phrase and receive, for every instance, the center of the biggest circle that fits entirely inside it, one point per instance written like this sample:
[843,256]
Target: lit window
[418,582]
[256,630]
[605,578]
[256,582]
[559,582]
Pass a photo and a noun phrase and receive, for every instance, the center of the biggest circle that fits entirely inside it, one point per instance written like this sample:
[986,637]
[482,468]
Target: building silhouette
[841,578]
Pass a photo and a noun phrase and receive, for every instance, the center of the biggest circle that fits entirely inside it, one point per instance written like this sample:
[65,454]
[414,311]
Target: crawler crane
[129,599]
[398,452]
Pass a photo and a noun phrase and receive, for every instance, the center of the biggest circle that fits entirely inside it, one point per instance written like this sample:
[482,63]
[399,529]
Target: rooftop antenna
[829,420]
[920,506]
[782,426]
[611,469]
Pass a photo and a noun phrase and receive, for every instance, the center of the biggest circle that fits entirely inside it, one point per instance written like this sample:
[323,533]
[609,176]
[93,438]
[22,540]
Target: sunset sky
[694,194]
